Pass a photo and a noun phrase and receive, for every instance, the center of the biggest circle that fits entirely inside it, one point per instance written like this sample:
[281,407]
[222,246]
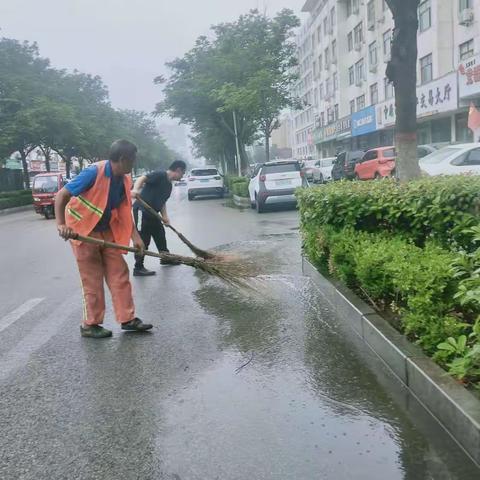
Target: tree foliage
[65,112]
[246,69]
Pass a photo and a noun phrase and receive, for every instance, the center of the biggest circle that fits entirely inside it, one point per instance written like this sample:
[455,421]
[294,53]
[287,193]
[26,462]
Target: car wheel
[321,179]
[49,213]
[357,177]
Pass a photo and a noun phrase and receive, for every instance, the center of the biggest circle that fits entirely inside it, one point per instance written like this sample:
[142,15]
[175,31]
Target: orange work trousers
[96,265]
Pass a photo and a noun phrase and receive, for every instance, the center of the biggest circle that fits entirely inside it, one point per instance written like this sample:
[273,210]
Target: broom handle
[116,246]
[155,213]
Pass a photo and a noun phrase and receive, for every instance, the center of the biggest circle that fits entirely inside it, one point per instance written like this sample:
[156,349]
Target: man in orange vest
[98,203]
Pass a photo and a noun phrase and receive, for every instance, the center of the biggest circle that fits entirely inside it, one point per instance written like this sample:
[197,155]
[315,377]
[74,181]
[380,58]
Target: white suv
[274,183]
[205,181]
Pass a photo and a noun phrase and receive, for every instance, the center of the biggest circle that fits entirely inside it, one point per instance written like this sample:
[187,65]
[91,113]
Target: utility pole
[239,161]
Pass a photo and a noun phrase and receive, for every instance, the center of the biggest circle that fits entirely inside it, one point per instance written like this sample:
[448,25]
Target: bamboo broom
[235,274]
[197,251]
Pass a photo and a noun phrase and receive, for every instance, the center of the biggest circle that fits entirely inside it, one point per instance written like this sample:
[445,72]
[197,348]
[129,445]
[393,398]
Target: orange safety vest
[85,211]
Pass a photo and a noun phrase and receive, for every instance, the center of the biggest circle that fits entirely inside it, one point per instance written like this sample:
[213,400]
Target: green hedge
[232,180]
[427,277]
[16,201]
[16,193]
[440,208]
[241,189]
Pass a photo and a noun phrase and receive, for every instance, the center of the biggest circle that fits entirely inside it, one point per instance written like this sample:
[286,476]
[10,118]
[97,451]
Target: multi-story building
[344,47]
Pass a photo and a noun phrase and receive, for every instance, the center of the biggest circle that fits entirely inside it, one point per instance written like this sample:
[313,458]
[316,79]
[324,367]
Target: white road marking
[12,317]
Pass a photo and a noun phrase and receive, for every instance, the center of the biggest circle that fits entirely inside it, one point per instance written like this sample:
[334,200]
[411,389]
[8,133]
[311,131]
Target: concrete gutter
[241,201]
[24,208]
[454,407]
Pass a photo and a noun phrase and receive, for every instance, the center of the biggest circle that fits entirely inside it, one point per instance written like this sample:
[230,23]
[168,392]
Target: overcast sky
[126,42]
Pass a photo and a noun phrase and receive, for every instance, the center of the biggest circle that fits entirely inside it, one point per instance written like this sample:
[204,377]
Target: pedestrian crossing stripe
[91,206]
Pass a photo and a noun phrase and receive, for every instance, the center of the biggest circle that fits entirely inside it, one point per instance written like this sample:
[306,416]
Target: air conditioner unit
[373,67]
[371,24]
[358,46]
[465,17]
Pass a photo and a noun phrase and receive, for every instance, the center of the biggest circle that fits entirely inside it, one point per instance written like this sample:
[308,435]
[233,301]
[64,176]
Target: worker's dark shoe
[142,272]
[136,325]
[94,331]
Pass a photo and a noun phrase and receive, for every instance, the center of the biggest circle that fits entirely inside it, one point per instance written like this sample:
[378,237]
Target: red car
[45,187]
[376,163]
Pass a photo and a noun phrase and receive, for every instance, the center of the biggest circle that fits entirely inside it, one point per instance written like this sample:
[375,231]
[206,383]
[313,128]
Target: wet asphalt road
[231,385]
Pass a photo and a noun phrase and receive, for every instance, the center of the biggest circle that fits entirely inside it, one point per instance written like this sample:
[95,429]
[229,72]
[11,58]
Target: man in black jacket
[155,188]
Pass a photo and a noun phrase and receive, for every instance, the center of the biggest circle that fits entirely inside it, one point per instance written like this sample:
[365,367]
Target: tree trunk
[267,146]
[26,177]
[68,166]
[402,71]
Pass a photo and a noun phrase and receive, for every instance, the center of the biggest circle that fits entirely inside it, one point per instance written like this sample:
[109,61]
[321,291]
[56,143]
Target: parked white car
[274,183]
[453,160]
[323,170]
[205,181]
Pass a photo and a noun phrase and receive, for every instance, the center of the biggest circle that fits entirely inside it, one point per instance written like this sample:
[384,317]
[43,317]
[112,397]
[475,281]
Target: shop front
[333,138]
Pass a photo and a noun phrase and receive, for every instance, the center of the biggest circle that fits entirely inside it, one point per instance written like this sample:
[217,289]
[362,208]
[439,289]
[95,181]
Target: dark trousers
[149,227]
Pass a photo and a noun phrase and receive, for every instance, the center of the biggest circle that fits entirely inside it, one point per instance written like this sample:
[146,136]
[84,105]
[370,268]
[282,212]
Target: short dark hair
[178,164]
[122,148]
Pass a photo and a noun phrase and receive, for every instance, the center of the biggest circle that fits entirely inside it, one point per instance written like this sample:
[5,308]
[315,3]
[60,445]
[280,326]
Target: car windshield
[206,172]
[327,162]
[310,163]
[439,156]
[281,168]
[45,184]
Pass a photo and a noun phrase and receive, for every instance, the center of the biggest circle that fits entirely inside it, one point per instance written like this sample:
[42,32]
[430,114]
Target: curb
[241,201]
[8,211]
[454,407]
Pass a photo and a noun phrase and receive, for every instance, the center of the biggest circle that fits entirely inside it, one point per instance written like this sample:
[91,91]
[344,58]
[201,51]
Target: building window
[326,54]
[350,41]
[358,34]
[388,86]
[335,113]
[359,71]
[463,4]
[374,94]
[371,12]
[352,106]
[332,18]
[322,93]
[334,50]
[325,25]
[328,87]
[335,82]
[351,75]
[320,64]
[387,44]
[314,68]
[426,70]
[372,54]
[466,50]
[322,119]
[349,8]
[330,115]
[424,15]
[361,102]
[319,34]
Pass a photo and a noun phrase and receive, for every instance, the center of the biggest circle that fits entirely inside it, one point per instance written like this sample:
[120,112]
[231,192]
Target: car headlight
[36,199]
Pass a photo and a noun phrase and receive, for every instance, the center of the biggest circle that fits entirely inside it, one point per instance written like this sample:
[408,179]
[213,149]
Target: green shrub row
[231,180]
[16,201]
[241,189]
[440,208]
[16,193]
[410,250]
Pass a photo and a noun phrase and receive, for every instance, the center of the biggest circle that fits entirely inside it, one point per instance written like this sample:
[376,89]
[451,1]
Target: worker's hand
[134,194]
[166,220]
[65,232]
[138,243]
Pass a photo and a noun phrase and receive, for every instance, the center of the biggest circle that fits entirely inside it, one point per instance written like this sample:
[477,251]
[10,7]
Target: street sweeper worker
[97,203]
[155,189]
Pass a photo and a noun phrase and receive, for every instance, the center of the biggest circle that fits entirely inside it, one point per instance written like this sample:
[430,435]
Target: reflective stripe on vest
[91,206]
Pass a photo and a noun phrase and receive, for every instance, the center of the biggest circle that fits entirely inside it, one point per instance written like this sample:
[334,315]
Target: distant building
[343,49]
[282,138]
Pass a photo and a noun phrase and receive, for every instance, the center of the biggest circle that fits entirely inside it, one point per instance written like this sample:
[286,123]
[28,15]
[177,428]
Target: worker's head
[177,170]
[123,155]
